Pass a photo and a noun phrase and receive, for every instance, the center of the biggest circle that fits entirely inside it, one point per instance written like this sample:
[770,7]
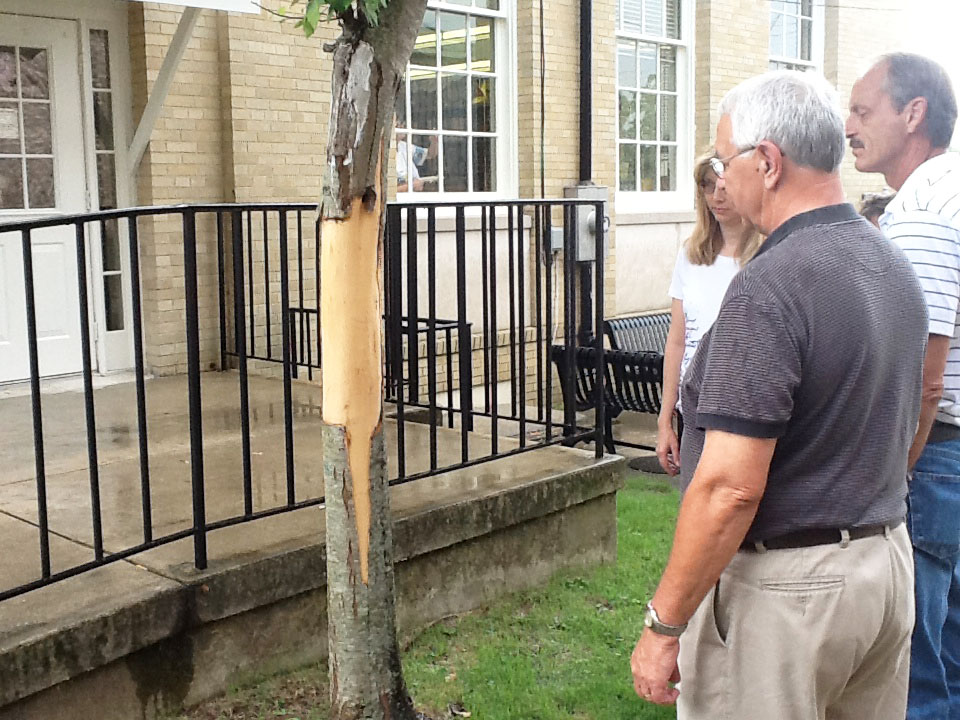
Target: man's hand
[654,666]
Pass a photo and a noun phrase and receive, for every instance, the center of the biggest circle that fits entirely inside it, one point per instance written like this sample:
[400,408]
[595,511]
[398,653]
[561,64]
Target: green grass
[561,651]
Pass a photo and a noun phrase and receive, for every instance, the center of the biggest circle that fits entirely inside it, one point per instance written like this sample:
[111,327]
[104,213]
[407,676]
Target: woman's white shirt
[701,289]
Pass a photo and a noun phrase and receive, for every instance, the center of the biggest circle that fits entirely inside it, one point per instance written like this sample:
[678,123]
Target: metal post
[193,385]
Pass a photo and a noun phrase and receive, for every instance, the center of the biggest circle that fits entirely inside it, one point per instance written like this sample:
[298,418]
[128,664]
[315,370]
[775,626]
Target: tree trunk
[365,672]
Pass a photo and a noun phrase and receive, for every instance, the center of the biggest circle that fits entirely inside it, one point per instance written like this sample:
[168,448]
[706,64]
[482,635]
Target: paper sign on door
[9,124]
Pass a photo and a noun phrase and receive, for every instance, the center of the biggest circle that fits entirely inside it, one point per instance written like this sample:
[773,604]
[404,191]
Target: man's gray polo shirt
[819,343]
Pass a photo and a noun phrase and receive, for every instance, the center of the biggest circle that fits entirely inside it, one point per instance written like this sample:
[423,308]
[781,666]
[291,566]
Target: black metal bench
[633,383]
[638,333]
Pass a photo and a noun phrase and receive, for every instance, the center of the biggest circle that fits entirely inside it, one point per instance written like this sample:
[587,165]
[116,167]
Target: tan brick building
[244,120]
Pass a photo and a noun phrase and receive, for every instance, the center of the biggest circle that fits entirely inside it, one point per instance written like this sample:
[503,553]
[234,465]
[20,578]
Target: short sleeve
[933,248]
[679,271]
[752,370]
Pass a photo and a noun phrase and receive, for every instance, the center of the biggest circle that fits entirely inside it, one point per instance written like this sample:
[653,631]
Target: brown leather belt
[816,536]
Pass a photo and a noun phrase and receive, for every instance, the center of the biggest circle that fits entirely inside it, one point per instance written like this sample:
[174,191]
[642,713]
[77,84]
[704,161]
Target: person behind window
[408,165]
[721,242]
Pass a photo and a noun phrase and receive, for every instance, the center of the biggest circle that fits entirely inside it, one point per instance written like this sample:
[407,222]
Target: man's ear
[914,112]
[770,164]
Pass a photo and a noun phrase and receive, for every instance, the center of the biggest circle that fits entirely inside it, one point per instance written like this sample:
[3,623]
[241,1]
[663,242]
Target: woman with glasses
[721,242]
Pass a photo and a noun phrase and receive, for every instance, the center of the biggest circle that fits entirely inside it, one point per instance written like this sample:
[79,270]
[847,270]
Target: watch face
[648,620]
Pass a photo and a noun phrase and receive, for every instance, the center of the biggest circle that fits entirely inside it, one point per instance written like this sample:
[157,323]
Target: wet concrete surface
[68,479]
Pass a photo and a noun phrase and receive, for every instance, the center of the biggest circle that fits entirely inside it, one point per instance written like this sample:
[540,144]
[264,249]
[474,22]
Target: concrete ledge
[151,635]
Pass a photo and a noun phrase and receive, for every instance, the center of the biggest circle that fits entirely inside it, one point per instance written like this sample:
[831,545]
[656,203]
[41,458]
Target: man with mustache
[902,116]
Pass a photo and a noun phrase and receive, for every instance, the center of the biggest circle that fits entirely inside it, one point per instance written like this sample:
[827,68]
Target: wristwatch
[652,621]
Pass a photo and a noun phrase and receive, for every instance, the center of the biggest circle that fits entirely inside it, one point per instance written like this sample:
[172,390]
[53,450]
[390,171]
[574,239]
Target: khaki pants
[812,633]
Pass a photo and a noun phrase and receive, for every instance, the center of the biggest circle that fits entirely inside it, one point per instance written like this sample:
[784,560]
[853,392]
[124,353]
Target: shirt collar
[827,215]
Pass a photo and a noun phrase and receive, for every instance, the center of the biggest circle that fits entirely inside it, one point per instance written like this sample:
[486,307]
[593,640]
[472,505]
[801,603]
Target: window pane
[673,19]
[806,40]
[647,113]
[111,246]
[628,168]
[632,15]
[648,168]
[100,58]
[776,34]
[103,120]
[9,128]
[791,40]
[40,192]
[33,73]
[627,64]
[113,300]
[36,129]
[653,17]
[668,168]
[488,4]
[425,48]
[423,99]
[455,164]
[11,184]
[806,8]
[668,117]
[107,182]
[8,72]
[668,68]
[453,40]
[484,164]
[482,47]
[454,93]
[484,104]
[628,115]
[648,65]
[426,163]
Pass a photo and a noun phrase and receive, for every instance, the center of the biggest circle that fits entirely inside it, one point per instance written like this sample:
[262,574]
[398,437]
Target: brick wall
[246,121]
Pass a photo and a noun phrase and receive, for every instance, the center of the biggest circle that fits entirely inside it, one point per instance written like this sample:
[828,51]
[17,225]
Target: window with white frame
[652,57]
[452,132]
[794,25]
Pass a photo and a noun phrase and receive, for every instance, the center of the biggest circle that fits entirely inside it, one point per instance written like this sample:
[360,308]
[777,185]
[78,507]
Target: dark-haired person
[902,116]
[873,205]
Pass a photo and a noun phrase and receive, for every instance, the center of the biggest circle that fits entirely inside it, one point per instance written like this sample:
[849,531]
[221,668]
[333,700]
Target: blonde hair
[706,241]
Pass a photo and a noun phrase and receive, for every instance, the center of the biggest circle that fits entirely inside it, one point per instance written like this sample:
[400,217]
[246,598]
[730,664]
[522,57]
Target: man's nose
[849,127]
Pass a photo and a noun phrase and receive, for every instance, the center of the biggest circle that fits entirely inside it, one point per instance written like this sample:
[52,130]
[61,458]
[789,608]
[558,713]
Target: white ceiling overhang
[244,6]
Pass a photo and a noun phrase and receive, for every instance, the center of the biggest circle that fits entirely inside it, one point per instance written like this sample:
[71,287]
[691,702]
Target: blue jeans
[934,522]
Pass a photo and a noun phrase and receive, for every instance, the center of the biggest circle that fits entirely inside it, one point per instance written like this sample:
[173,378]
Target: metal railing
[502,263]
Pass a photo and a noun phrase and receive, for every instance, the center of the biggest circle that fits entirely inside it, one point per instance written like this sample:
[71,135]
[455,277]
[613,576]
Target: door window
[26,137]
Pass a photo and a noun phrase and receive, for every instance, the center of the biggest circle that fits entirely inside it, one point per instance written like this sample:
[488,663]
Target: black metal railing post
[287,392]
[35,402]
[240,346]
[221,293]
[89,414]
[463,340]
[146,503]
[193,388]
[600,401]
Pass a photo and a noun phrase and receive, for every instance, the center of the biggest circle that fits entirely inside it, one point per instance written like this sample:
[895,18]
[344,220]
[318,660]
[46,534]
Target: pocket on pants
[934,517]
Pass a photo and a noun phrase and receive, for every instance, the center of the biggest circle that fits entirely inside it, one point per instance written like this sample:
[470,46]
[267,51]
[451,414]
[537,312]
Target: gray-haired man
[790,561]
[902,115]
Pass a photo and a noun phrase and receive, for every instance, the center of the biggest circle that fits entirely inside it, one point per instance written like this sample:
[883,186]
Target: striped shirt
[924,220]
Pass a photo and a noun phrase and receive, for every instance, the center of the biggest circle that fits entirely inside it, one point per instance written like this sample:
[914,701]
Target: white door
[41,173]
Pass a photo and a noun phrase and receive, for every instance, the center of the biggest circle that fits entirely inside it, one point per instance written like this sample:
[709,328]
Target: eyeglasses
[719,166]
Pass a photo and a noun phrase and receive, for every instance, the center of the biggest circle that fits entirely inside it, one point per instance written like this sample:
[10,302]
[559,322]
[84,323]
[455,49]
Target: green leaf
[312,17]
[371,10]
[282,11]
